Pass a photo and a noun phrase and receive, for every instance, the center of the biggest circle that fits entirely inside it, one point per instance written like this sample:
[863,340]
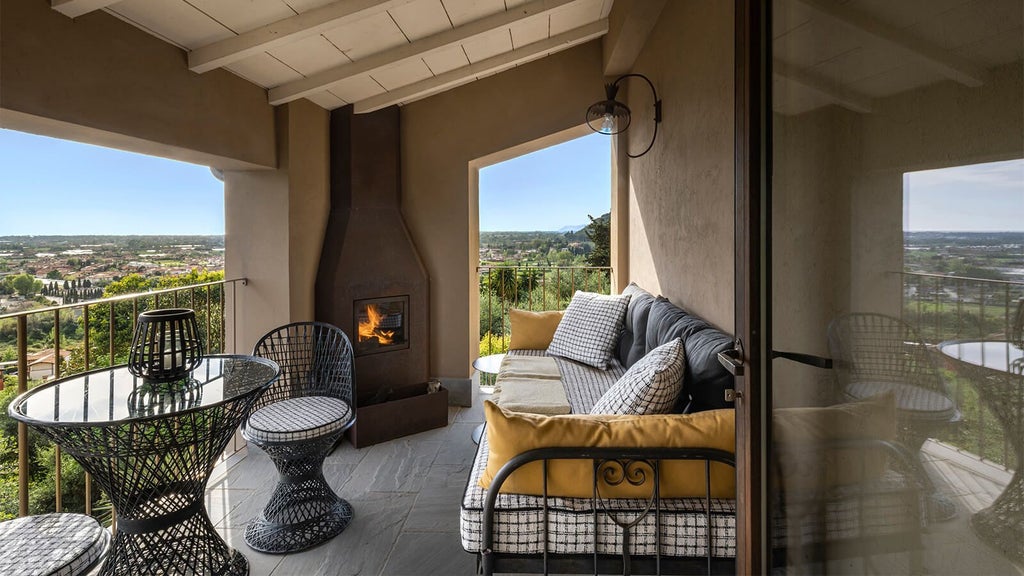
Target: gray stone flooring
[406,497]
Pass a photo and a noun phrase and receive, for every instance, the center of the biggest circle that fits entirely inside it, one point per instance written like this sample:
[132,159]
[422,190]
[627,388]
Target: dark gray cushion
[706,380]
[633,343]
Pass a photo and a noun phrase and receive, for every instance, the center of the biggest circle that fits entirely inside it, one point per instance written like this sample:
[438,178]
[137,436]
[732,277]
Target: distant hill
[574,228]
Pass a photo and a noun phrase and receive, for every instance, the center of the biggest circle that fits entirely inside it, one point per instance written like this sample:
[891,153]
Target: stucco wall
[274,226]
[101,80]
[681,193]
[441,135]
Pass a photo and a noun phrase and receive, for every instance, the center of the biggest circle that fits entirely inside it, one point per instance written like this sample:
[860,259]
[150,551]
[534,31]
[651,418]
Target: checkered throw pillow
[590,329]
[651,386]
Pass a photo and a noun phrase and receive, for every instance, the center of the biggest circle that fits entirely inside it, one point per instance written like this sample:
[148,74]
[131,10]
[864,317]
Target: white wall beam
[75,8]
[224,52]
[414,50]
[497,63]
[943,61]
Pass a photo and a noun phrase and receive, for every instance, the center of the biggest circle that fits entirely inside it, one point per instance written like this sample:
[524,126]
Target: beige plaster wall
[274,226]
[681,197]
[101,80]
[441,136]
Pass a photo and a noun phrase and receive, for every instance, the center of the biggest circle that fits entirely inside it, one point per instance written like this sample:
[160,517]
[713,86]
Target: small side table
[490,364]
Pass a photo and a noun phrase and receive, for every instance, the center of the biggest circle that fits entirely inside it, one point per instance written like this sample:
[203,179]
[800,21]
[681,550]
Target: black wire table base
[303,510]
[191,546]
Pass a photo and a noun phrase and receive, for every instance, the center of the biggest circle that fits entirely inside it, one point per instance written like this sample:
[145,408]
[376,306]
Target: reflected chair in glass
[874,354]
[297,422]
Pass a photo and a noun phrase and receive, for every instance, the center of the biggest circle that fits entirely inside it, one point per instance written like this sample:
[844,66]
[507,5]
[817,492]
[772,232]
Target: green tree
[599,232]
[26,285]
[54,274]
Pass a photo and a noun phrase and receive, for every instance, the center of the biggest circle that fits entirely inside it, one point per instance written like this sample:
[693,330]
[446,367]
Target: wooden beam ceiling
[414,50]
[844,97]
[491,65]
[76,8]
[941,60]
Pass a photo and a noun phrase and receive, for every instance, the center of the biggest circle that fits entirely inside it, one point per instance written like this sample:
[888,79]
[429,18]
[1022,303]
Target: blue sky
[548,189]
[976,198]
[58,187]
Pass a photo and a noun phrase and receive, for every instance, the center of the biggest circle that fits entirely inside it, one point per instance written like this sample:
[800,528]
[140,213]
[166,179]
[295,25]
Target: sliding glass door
[895,299]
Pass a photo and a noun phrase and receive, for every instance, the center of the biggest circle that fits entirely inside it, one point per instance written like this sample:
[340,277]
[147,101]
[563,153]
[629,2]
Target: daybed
[656,493]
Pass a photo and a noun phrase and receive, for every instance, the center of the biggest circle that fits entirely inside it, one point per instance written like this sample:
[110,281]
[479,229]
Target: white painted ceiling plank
[76,8]
[310,55]
[421,18]
[575,15]
[401,74]
[264,70]
[356,88]
[450,58]
[948,64]
[370,35]
[175,20]
[244,15]
[834,92]
[462,11]
[462,75]
[302,25]
[487,45]
[529,31]
[415,50]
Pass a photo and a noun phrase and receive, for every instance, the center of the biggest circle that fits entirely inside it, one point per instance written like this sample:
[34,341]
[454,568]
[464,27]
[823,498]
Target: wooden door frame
[752,279]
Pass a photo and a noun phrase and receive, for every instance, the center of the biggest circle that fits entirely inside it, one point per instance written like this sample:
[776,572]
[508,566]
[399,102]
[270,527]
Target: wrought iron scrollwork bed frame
[613,467]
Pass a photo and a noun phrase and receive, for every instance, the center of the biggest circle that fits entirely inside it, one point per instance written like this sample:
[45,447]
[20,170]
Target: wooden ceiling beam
[76,8]
[846,98]
[466,74]
[311,23]
[941,60]
[414,50]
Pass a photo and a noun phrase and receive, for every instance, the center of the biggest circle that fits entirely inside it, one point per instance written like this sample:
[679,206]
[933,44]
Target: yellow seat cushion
[804,441]
[511,433]
[532,330]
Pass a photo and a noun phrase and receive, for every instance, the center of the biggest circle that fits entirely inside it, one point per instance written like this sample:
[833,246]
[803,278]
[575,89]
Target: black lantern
[610,116]
[166,345]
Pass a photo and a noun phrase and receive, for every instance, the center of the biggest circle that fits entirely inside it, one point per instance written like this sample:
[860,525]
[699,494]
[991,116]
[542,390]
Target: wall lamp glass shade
[610,116]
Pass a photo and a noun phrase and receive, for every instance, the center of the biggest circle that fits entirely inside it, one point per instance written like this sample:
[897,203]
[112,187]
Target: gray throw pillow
[590,329]
[651,386]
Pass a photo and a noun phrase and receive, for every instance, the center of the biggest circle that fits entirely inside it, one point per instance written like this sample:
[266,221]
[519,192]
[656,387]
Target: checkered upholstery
[297,419]
[519,523]
[651,386]
[590,328]
[55,544]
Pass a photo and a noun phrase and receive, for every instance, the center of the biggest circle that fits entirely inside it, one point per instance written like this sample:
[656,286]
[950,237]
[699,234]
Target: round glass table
[994,367]
[152,448]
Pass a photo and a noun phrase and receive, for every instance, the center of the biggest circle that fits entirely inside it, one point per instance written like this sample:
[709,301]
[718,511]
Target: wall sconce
[610,116]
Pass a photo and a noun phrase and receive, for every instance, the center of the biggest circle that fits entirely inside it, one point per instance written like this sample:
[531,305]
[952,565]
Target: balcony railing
[952,308]
[99,334]
[532,288]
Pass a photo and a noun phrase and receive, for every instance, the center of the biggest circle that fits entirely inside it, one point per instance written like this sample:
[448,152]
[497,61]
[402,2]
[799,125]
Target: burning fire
[370,328]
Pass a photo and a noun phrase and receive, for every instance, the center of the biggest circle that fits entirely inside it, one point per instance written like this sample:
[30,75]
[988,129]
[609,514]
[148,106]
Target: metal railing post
[22,427]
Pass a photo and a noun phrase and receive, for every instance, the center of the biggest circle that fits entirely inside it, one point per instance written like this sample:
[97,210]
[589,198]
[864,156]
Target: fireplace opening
[382,324]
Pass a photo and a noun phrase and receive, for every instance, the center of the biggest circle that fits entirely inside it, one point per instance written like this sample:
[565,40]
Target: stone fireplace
[371,281]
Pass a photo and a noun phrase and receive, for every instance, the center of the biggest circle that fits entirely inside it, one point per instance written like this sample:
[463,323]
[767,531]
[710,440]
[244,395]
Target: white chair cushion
[56,544]
[298,419]
[651,386]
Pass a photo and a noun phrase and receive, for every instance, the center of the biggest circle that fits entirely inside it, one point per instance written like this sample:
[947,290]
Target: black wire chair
[873,354]
[296,422]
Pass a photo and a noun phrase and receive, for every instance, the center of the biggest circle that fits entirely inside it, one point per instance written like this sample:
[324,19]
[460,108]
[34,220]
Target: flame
[370,328]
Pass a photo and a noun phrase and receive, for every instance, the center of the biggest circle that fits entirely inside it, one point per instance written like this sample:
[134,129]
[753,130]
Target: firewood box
[404,410]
